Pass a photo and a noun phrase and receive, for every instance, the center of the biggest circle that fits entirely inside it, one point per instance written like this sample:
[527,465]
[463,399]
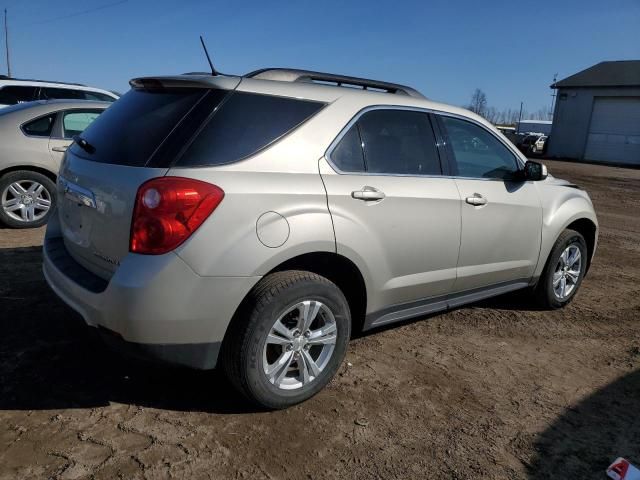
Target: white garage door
[614,133]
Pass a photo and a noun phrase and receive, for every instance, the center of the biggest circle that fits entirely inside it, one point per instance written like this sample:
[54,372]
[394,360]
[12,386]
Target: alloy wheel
[567,272]
[299,345]
[26,201]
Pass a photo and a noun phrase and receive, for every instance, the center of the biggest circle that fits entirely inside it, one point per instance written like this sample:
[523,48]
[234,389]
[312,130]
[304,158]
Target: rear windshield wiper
[83,144]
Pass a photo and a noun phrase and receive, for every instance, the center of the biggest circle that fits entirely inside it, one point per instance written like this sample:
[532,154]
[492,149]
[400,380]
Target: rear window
[132,129]
[244,124]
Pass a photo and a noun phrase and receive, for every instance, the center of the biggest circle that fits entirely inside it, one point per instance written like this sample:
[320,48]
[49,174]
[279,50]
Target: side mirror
[535,171]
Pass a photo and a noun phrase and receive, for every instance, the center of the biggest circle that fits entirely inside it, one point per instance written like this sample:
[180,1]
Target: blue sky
[446,49]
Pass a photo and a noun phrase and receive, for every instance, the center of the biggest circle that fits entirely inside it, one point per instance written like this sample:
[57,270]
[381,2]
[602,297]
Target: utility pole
[6,42]
[519,118]
[553,95]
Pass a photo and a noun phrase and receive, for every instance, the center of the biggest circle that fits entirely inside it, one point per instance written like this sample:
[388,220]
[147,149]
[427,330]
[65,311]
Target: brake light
[168,210]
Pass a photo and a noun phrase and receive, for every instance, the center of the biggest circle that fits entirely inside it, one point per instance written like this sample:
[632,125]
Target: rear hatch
[133,141]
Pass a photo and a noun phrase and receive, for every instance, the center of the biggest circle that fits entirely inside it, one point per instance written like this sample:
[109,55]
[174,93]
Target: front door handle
[368,194]
[60,149]
[476,200]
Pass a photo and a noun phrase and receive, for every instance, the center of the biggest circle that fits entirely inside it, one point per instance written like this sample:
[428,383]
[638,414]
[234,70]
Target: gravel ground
[493,390]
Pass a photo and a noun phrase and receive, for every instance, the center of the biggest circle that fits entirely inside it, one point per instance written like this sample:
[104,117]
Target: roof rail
[4,77]
[293,75]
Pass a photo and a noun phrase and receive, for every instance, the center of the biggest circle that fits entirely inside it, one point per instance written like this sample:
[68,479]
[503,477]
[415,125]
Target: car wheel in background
[27,199]
[564,270]
[288,340]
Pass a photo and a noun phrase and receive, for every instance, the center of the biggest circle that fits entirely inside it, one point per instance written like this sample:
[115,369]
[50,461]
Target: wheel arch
[30,168]
[588,230]
[335,267]
[341,271]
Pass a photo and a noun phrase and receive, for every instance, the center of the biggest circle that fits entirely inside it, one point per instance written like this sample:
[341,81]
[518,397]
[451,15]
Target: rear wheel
[564,271]
[26,199]
[289,339]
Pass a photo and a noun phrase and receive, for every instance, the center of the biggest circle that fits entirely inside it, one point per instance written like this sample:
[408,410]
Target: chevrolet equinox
[256,221]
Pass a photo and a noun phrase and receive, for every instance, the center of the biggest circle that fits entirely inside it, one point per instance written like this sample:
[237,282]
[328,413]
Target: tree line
[507,116]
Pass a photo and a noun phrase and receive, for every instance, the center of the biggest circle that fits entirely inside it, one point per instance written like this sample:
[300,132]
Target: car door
[501,214]
[69,124]
[394,213]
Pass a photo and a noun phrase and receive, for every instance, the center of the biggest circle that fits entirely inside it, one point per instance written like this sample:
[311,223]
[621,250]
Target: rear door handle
[60,149]
[368,194]
[476,200]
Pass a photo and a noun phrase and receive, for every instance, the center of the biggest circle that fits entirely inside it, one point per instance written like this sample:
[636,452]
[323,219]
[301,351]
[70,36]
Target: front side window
[74,123]
[399,142]
[14,94]
[40,127]
[244,124]
[477,153]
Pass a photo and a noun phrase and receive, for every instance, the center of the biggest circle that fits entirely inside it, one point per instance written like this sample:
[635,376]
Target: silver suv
[257,221]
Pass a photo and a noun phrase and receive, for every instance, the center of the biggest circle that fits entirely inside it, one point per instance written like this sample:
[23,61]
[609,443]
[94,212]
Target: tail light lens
[168,210]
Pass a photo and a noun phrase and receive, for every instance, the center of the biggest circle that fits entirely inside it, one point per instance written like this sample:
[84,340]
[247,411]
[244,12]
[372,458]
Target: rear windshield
[196,127]
[132,129]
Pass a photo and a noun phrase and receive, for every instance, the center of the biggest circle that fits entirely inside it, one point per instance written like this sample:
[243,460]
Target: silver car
[256,222]
[33,139]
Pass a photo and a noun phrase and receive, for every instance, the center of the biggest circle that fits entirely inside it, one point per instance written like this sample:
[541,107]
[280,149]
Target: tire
[20,207]
[551,282]
[246,353]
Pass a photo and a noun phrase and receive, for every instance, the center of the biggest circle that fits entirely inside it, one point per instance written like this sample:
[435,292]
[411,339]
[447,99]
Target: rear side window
[40,127]
[96,96]
[399,142]
[244,124]
[14,94]
[132,129]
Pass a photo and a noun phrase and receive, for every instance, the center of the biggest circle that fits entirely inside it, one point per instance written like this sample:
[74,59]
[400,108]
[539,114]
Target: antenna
[6,39]
[206,52]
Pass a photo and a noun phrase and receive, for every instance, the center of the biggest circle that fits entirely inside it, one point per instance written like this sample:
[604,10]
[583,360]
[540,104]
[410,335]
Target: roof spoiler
[294,75]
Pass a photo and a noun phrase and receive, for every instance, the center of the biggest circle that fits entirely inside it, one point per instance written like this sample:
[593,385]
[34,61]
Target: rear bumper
[156,306]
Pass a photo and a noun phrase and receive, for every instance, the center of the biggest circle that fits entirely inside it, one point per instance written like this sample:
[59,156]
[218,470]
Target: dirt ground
[494,390]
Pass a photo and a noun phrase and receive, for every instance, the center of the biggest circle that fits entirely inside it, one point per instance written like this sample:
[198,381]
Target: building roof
[621,73]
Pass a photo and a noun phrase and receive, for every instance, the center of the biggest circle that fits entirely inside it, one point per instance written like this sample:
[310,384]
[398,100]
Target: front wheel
[565,269]
[289,339]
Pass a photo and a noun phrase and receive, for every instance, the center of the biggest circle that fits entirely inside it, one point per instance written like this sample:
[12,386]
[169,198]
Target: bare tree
[478,102]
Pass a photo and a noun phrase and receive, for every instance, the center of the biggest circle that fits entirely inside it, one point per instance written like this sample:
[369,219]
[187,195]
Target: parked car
[255,222]
[539,147]
[13,91]
[33,139]
[528,142]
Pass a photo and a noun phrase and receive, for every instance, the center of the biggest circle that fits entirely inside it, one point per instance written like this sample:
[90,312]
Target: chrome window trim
[356,117]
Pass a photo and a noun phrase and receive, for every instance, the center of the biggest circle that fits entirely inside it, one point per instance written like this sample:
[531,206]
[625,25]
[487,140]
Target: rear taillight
[168,210]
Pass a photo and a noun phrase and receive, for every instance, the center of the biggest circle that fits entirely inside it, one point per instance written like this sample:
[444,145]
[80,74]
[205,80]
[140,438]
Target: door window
[348,155]
[61,93]
[74,123]
[399,142]
[477,153]
[40,127]
[14,94]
